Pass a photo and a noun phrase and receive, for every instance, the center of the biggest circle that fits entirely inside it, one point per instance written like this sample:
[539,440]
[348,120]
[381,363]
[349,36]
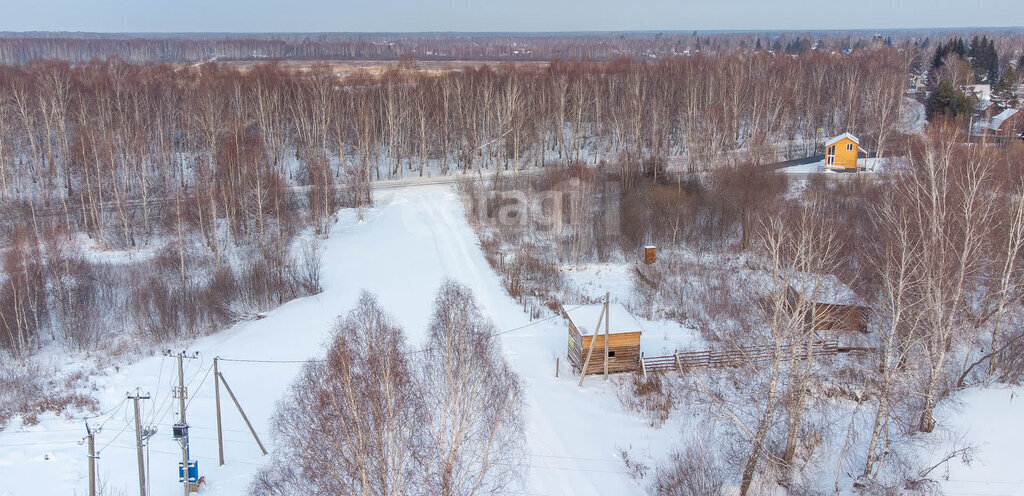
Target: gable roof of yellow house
[841,152]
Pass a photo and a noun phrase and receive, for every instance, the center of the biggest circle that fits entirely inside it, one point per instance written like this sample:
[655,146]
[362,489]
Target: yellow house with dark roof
[842,152]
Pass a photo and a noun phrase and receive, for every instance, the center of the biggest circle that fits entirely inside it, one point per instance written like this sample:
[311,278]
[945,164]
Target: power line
[159,374]
[108,412]
[47,431]
[422,350]
[126,426]
[537,321]
[251,360]
[194,393]
[37,444]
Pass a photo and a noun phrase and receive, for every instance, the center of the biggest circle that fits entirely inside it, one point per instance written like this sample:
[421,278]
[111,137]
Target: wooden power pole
[216,394]
[248,424]
[138,440]
[182,394]
[182,426]
[607,314]
[91,441]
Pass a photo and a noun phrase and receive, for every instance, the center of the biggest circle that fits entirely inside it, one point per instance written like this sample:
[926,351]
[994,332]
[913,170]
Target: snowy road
[402,252]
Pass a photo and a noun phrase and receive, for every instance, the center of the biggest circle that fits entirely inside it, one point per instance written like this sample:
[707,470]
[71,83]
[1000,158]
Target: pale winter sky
[497,15]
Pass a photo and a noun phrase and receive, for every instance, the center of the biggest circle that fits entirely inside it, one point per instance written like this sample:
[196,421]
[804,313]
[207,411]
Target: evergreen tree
[984,59]
[758,45]
[948,100]
[992,62]
[1004,93]
[955,45]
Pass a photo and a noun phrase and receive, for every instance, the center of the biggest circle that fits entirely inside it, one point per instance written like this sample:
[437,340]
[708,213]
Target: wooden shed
[834,306]
[623,338]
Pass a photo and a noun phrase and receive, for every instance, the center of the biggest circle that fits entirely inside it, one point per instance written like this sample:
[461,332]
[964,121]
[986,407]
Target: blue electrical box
[193,471]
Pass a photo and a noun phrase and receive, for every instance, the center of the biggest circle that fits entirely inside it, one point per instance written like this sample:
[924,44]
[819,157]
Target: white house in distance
[982,92]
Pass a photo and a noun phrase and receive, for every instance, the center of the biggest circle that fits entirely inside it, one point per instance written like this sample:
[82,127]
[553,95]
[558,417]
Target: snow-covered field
[992,421]
[402,251]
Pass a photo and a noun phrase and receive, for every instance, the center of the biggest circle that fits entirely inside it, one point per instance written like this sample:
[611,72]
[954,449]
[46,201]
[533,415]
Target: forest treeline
[111,130]
[21,48]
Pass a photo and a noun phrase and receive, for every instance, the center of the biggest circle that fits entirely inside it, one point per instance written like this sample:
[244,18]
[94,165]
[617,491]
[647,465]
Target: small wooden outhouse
[623,338]
[648,254]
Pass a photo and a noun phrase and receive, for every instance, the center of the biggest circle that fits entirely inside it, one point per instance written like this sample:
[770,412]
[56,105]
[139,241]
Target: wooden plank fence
[685,360]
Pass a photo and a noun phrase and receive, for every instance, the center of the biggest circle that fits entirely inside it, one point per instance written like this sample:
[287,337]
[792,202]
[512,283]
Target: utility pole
[590,349]
[607,314]
[181,428]
[138,440]
[248,424]
[216,394]
[91,440]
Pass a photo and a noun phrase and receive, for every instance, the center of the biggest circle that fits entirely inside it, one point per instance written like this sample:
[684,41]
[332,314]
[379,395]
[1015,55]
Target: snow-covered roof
[584,317]
[840,138]
[997,121]
[824,288]
[816,288]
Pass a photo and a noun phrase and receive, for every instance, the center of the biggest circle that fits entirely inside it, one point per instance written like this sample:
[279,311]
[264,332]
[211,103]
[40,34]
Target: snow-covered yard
[402,251]
[868,165]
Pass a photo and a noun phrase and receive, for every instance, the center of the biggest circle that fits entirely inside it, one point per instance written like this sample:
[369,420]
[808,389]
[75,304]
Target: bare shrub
[156,308]
[217,299]
[265,280]
[23,300]
[29,390]
[307,273]
[650,396]
[75,297]
[692,471]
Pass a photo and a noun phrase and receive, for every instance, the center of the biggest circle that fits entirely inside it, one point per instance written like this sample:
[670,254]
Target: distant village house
[1008,123]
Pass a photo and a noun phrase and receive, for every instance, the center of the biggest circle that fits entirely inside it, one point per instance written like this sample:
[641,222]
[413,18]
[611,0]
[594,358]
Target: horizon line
[521,32]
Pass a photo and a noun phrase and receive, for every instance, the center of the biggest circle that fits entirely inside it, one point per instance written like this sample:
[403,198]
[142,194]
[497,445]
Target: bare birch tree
[476,429]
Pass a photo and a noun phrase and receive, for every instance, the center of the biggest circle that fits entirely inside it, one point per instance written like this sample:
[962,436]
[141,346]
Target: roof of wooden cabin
[584,317]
